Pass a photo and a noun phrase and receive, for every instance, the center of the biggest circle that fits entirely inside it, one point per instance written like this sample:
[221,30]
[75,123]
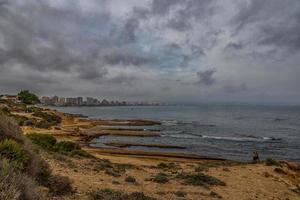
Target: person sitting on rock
[255,157]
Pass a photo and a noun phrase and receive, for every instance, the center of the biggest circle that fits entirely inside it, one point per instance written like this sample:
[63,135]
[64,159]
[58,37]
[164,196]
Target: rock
[295,189]
[266,174]
[293,166]
[28,123]
[279,170]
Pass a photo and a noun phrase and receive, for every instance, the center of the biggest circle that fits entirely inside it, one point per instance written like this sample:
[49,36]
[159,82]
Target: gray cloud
[206,77]
[235,88]
[130,49]
[275,24]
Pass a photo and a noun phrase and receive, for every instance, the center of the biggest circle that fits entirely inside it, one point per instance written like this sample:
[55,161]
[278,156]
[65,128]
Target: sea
[221,131]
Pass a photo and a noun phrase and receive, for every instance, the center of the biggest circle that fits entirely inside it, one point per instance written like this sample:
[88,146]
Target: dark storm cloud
[41,37]
[206,77]
[234,46]
[235,88]
[125,58]
[129,31]
[162,7]
[111,47]
[276,23]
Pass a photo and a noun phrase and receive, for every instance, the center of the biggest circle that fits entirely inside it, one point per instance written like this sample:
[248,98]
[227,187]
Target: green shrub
[215,195]
[279,170]
[48,117]
[18,186]
[272,162]
[161,178]
[46,141]
[33,109]
[5,110]
[180,193]
[43,174]
[166,165]
[43,124]
[20,119]
[49,143]
[130,179]
[105,194]
[112,172]
[66,147]
[59,185]
[14,152]
[137,196]
[81,153]
[109,194]
[200,179]
[28,98]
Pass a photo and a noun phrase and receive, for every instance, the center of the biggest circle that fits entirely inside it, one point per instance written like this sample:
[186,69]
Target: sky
[184,51]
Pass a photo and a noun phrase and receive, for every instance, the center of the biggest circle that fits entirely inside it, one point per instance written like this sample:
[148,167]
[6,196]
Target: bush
[48,117]
[279,170]
[49,143]
[109,194]
[105,194]
[180,194]
[14,152]
[161,178]
[59,185]
[43,174]
[28,98]
[33,109]
[15,185]
[272,162]
[200,179]
[166,165]
[46,141]
[5,110]
[66,147]
[130,179]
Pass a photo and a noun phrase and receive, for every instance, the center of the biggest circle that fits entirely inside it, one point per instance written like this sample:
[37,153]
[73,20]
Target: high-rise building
[62,101]
[71,101]
[54,100]
[79,101]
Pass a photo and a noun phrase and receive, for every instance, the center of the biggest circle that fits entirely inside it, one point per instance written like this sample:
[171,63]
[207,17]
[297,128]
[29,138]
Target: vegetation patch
[160,178]
[33,109]
[16,185]
[180,193]
[215,195]
[199,179]
[48,142]
[48,119]
[113,172]
[27,97]
[14,153]
[109,194]
[130,179]
[279,170]
[272,162]
[166,166]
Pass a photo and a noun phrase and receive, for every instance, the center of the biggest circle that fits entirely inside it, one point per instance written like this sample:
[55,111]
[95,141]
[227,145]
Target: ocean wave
[242,139]
[184,136]
[169,122]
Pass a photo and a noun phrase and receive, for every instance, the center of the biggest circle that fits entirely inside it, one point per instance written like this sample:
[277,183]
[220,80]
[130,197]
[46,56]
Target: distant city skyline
[89,101]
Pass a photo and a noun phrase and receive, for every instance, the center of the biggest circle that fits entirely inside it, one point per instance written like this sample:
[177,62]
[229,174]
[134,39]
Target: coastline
[160,175]
[83,130]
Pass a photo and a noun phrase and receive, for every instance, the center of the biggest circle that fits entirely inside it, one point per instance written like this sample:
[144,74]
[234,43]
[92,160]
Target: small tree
[28,98]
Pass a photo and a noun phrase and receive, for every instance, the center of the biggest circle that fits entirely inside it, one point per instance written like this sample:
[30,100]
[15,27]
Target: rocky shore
[129,174]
